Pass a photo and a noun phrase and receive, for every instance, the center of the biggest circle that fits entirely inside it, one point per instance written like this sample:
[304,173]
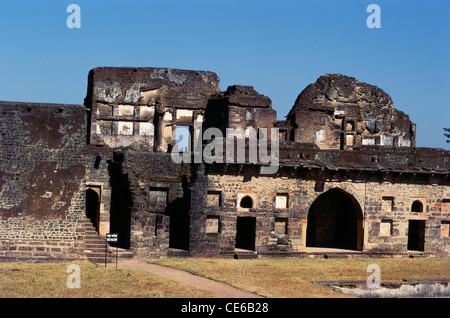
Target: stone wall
[281,206]
[342,139]
[155,202]
[389,208]
[42,175]
[99,162]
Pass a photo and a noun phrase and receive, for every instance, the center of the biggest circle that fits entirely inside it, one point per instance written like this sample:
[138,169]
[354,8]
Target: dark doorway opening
[245,233]
[93,207]
[178,210]
[416,235]
[335,220]
[121,201]
[179,226]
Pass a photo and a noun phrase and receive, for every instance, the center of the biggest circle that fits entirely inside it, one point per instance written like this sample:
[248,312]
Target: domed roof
[334,89]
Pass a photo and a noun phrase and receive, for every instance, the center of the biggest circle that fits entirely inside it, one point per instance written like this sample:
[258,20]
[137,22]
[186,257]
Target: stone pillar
[304,226]
[157,122]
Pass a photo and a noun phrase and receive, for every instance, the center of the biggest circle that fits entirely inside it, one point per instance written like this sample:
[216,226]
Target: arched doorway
[335,220]
[93,207]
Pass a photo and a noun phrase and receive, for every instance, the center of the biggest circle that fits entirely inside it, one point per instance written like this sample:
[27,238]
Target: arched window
[246,202]
[417,206]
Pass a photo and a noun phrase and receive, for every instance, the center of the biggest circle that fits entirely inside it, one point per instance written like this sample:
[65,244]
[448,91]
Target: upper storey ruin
[142,105]
[335,122]
[145,105]
[339,112]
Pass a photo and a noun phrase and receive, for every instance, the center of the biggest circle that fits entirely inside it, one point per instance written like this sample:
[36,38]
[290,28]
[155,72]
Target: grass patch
[290,278]
[49,280]
[274,278]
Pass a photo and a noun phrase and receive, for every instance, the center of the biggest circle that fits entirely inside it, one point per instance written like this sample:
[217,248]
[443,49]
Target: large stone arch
[335,220]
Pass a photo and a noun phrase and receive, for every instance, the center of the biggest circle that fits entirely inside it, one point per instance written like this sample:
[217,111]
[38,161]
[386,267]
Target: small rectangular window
[387,204]
[445,229]
[213,199]
[212,224]
[281,226]
[159,224]
[183,138]
[386,228]
[158,197]
[282,135]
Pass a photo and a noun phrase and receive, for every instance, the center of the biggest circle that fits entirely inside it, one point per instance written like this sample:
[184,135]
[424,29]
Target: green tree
[447,134]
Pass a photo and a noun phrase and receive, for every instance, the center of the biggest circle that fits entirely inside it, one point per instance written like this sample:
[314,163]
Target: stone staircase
[95,247]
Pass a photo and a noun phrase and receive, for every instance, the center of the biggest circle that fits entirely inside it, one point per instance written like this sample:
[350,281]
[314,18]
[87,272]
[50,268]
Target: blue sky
[279,47]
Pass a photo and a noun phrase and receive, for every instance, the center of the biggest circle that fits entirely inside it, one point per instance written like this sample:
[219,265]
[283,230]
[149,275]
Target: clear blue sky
[279,47]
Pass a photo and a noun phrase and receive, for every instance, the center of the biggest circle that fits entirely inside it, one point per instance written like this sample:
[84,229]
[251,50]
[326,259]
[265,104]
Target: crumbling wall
[143,106]
[42,176]
[339,112]
[243,109]
[340,134]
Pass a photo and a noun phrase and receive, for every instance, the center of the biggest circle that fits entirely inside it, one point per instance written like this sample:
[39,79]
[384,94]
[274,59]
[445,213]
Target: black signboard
[111,237]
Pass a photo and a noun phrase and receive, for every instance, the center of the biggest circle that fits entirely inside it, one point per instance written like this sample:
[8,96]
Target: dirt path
[189,279]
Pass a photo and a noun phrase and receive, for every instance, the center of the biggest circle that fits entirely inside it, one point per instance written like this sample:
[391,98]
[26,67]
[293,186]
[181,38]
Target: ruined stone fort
[349,179]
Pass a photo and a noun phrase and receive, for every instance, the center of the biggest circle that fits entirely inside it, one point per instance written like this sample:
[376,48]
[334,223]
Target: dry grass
[25,280]
[275,278]
[290,278]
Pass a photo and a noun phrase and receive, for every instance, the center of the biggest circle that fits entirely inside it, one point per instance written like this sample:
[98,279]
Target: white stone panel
[146,111]
[146,129]
[281,201]
[385,228]
[319,136]
[167,117]
[403,142]
[125,128]
[183,113]
[126,110]
[368,142]
[386,140]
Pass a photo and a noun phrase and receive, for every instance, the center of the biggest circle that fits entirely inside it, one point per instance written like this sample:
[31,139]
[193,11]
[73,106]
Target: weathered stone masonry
[349,175]
[42,177]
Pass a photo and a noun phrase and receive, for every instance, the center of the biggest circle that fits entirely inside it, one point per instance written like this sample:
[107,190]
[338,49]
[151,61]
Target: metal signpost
[111,238]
